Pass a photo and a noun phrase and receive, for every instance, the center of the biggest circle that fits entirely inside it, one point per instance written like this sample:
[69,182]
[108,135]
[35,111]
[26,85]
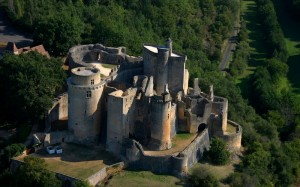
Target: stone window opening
[88,94]
[92,82]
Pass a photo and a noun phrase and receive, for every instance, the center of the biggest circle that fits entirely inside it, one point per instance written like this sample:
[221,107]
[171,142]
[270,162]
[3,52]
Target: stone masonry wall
[194,151]
[58,111]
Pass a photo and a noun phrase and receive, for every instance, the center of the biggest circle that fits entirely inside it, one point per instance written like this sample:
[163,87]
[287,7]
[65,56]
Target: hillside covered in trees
[271,135]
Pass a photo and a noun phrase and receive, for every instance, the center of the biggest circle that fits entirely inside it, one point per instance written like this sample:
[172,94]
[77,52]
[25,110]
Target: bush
[218,153]
[201,177]
[13,150]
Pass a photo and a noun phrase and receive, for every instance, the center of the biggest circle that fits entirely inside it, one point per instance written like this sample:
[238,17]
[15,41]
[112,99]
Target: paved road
[226,55]
[10,34]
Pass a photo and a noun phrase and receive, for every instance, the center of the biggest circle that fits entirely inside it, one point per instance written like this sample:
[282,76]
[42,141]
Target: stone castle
[140,103]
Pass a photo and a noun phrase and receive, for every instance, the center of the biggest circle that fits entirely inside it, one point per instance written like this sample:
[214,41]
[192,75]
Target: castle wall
[82,55]
[182,120]
[120,115]
[58,111]
[219,109]
[128,74]
[194,151]
[169,164]
[234,140]
[58,137]
[173,121]
[150,60]
[176,66]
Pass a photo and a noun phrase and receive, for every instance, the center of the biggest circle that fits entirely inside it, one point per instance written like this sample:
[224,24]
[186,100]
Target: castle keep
[137,106]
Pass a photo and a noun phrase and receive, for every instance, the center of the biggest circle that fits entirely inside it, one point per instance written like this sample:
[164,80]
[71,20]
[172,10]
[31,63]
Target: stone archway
[201,127]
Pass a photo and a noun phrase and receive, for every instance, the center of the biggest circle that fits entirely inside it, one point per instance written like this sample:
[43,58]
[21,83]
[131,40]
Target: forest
[269,115]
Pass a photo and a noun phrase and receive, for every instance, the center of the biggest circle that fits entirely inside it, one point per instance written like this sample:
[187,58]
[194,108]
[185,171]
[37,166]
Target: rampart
[176,164]
[83,55]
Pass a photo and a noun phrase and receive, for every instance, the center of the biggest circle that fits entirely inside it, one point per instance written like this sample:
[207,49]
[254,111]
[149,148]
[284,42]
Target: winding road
[229,49]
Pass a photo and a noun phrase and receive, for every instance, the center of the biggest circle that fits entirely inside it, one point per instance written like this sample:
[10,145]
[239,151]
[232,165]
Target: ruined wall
[174,120]
[234,140]
[58,137]
[194,151]
[161,70]
[120,115]
[58,111]
[182,120]
[169,164]
[98,176]
[149,59]
[82,55]
[104,172]
[127,75]
[176,67]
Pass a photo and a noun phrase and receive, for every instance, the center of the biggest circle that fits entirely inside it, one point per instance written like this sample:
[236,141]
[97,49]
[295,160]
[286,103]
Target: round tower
[85,90]
[160,122]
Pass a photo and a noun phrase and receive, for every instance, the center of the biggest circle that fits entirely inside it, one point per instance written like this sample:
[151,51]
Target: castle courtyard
[78,161]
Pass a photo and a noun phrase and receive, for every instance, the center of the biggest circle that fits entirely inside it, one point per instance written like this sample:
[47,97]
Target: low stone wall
[104,172]
[234,140]
[177,164]
[95,178]
[58,111]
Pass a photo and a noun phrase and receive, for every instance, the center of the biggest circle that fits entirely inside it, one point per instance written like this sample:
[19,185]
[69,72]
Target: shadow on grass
[289,25]
[293,74]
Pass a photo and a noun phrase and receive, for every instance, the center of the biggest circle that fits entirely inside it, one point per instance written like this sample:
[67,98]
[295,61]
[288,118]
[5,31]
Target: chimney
[169,45]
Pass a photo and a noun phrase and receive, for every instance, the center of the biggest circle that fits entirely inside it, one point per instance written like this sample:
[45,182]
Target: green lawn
[77,160]
[258,51]
[142,178]
[110,66]
[291,30]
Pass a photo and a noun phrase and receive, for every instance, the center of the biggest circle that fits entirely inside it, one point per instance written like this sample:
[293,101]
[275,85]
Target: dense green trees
[32,172]
[272,30]
[198,27]
[242,52]
[58,33]
[29,82]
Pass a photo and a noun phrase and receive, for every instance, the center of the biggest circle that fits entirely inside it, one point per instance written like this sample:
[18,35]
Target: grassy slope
[291,30]
[256,41]
[142,178]
[220,172]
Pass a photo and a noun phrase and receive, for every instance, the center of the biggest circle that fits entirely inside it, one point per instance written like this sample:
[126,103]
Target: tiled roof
[11,46]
